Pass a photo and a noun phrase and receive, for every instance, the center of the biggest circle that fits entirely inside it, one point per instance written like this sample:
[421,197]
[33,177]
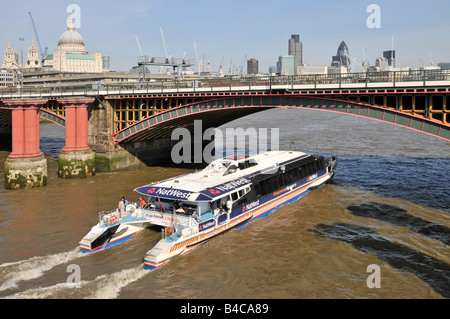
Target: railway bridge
[111,128]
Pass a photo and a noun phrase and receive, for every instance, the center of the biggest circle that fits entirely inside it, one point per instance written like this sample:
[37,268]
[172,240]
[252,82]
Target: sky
[231,30]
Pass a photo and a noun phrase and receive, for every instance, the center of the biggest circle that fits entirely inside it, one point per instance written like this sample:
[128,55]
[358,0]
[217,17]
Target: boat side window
[316,166]
[219,202]
[313,167]
[289,176]
[234,196]
[230,170]
[258,189]
[321,162]
[301,172]
[263,185]
[309,170]
[280,181]
[274,181]
[242,201]
[268,185]
[241,193]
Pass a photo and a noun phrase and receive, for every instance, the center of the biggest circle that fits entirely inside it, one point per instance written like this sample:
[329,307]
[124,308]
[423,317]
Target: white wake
[105,286]
[35,267]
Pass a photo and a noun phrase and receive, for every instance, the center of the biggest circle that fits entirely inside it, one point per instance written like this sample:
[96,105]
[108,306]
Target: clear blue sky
[232,29]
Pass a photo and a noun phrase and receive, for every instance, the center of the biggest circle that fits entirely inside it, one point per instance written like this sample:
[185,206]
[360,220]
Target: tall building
[287,65]
[252,66]
[72,56]
[272,69]
[295,48]
[390,57]
[342,57]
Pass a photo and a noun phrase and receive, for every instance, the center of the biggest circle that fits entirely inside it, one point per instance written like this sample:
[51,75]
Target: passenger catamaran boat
[196,207]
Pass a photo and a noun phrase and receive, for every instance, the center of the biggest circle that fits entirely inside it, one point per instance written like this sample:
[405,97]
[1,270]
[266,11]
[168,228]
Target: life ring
[168,231]
[113,219]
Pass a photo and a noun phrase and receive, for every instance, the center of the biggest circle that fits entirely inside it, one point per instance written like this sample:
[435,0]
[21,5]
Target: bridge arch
[220,111]
[52,117]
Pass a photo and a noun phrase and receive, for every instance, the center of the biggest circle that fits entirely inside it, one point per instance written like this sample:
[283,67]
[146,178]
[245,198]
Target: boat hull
[101,238]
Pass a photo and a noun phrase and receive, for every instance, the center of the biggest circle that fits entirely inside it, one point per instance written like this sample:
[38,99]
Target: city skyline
[231,30]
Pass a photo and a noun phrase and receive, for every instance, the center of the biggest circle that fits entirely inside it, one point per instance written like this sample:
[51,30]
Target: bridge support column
[76,158]
[26,165]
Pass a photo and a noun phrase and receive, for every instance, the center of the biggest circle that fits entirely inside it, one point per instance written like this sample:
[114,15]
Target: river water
[389,206]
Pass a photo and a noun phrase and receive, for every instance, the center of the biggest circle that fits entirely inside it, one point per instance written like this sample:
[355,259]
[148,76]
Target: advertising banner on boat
[219,190]
[164,192]
[206,225]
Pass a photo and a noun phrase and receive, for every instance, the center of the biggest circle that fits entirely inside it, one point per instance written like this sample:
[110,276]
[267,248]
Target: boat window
[280,181]
[234,196]
[321,162]
[219,202]
[231,169]
[226,164]
[241,193]
[218,166]
[247,163]
[242,201]
[257,190]
[275,184]
[264,190]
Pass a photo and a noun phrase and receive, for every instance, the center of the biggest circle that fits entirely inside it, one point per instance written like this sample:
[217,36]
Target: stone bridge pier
[26,165]
[76,158]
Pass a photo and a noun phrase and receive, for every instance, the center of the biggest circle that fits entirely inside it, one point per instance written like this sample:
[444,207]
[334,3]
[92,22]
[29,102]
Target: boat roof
[220,177]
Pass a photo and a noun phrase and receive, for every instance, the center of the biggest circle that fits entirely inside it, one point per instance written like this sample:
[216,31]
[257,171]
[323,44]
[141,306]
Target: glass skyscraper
[342,58]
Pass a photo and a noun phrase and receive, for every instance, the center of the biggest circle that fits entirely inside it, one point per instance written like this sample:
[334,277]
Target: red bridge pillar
[76,158]
[26,165]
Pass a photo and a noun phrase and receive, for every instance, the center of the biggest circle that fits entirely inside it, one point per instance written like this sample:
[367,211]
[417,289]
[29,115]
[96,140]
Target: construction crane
[165,48]
[198,60]
[164,42]
[241,68]
[141,67]
[139,45]
[43,53]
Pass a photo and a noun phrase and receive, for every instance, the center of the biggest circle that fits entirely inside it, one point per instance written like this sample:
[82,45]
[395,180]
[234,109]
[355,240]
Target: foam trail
[108,286]
[35,267]
[105,286]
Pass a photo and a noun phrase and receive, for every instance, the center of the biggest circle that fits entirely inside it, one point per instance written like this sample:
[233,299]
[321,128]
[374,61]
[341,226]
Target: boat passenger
[142,202]
[180,209]
[121,207]
[229,205]
[223,207]
[125,203]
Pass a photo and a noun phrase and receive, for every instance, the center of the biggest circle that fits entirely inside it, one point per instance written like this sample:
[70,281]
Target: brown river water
[389,205]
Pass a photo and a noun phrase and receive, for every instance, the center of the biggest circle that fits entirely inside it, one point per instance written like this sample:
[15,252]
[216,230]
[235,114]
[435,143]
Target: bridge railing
[239,83]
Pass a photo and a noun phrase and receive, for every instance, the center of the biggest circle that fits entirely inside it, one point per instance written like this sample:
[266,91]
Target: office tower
[342,58]
[296,48]
[287,65]
[252,66]
[390,56]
